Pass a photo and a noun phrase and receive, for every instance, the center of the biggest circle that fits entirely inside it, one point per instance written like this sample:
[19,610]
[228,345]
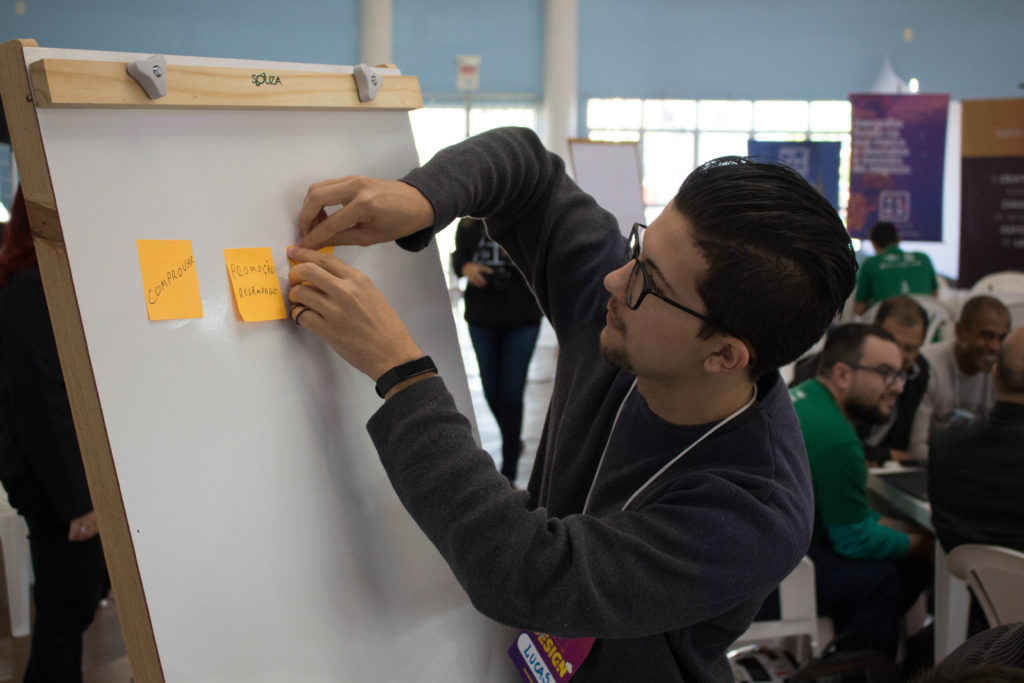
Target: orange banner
[993,128]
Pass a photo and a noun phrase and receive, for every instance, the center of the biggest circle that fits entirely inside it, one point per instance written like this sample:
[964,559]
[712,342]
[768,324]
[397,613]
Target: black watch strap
[402,372]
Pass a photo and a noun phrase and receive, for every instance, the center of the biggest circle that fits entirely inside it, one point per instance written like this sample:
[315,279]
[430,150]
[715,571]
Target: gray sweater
[666,585]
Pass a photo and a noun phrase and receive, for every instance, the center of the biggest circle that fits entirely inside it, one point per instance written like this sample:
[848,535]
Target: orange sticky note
[329,250]
[169,279]
[254,284]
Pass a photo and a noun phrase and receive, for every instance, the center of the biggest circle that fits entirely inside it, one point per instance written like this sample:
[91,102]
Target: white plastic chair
[17,566]
[798,613]
[1002,282]
[995,576]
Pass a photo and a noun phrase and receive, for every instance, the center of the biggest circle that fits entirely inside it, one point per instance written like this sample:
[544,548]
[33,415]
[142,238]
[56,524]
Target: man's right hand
[373,211]
[476,273]
[922,545]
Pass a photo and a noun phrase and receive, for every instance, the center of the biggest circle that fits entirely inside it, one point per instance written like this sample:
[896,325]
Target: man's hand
[373,211]
[922,545]
[922,542]
[901,456]
[476,273]
[83,528]
[343,307]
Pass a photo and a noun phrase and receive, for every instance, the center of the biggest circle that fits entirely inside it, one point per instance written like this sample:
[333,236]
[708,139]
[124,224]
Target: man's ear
[841,376]
[728,355]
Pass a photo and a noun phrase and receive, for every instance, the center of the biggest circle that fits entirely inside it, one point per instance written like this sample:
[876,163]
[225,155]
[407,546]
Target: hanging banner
[898,146]
[992,189]
[817,162]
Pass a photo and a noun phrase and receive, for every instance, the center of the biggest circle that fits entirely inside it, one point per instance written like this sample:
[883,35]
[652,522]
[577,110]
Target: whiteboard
[610,173]
[269,542]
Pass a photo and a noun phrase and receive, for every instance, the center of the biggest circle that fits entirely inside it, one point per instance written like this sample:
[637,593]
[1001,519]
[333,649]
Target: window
[676,136]
[445,120]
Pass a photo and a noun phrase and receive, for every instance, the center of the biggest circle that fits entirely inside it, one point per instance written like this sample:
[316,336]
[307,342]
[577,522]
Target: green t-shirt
[895,272]
[842,516]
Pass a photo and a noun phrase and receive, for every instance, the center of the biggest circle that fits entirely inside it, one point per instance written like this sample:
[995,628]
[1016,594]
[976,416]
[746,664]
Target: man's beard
[861,412]
[616,355]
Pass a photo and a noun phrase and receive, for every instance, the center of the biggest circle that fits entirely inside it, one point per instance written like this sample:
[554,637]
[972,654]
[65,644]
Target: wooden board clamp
[151,73]
[367,81]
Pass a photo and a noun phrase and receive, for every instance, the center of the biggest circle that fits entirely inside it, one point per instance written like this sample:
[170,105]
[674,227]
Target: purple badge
[543,658]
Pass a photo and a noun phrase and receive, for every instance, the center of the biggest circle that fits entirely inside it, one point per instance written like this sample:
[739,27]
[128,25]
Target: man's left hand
[342,306]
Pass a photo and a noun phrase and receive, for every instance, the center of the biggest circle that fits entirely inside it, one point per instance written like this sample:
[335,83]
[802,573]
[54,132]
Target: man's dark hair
[905,309]
[978,305]
[780,262]
[884,235]
[981,673]
[845,344]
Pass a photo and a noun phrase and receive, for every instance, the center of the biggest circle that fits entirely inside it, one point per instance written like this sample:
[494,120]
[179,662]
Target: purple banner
[992,195]
[898,150]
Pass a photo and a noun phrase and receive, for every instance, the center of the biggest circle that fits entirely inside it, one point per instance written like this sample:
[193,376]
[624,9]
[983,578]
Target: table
[952,600]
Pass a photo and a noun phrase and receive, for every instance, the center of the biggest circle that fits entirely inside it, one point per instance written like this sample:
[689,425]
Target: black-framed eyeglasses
[889,375]
[639,283]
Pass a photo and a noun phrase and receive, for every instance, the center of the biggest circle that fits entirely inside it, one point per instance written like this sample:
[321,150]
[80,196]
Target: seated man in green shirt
[868,569]
[892,271]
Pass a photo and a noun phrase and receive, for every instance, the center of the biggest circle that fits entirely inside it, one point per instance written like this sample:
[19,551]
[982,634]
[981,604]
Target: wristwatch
[400,373]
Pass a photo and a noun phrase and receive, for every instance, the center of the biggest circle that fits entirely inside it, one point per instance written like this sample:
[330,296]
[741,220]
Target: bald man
[976,467]
[960,385]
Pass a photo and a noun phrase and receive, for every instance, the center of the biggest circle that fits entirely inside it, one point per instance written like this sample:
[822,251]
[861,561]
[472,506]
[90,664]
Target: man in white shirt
[961,383]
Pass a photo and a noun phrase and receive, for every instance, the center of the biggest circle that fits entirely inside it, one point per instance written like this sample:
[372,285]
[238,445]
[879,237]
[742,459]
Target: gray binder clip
[368,82]
[151,75]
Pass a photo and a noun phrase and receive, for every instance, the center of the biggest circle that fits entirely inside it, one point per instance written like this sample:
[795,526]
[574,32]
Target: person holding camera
[504,321]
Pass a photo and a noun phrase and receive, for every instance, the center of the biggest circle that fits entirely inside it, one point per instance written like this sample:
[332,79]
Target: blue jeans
[504,356]
[868,597]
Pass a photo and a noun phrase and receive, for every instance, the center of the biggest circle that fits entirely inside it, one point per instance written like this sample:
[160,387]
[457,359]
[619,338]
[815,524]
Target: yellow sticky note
[254,284]
[329,250]
[169,279]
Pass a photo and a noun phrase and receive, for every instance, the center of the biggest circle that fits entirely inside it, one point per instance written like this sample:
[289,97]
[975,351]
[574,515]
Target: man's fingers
[341,227]
[304,316]
[311,266]
[321,195]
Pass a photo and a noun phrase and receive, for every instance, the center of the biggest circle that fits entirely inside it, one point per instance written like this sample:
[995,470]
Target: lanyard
[671,462]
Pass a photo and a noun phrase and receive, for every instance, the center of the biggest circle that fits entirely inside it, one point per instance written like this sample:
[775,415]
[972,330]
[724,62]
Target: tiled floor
[104,658]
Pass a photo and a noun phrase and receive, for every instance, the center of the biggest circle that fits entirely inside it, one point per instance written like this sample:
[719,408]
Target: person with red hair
[41,465]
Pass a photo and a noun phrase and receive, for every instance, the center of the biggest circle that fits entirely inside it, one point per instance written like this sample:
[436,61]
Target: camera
[501,277]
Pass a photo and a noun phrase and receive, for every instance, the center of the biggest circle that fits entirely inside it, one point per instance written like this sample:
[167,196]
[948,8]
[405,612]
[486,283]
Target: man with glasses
[906,320]
[670,492]
[868,569]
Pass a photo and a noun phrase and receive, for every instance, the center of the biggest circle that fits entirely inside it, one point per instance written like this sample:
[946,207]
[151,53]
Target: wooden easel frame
[98,84]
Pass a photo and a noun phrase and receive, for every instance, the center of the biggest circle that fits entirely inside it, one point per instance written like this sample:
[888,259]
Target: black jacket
[37,434]
[506,301]
[975,470]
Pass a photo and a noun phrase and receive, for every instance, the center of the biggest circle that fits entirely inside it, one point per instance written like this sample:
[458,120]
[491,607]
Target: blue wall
[508,35]
[798,49]
[320,31]
[804,49]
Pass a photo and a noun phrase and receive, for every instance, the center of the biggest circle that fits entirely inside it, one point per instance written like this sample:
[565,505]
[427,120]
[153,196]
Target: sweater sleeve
[624,574]
[868,540]
[40,405]
[555,233]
